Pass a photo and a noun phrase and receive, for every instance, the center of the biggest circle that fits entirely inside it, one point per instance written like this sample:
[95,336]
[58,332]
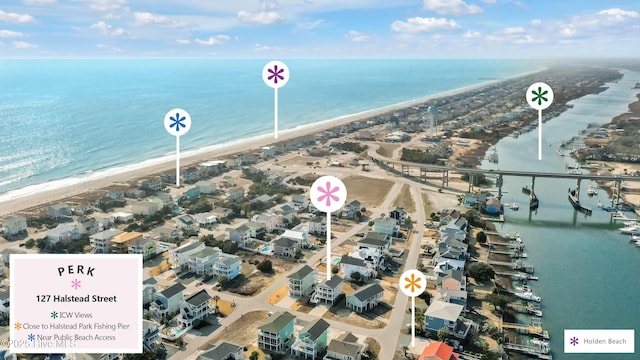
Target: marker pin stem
[413,321]
[275,113]
[539,134]
[177,160]
[329,263]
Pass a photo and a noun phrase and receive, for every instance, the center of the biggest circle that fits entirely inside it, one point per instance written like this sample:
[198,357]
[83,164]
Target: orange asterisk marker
[413,283]
[18,326]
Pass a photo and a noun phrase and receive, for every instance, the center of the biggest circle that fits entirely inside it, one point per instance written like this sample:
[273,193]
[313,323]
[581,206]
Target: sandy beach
[39,195]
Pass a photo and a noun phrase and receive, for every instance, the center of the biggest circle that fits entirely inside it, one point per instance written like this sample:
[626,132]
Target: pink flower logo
[328,194]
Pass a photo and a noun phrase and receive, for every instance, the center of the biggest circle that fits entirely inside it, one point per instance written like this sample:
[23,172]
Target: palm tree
[216,298]
[405,349]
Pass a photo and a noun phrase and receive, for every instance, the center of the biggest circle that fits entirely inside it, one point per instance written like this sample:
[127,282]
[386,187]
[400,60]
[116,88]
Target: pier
[536,351]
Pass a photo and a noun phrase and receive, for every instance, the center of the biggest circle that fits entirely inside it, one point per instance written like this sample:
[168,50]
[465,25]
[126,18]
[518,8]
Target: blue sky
[319,28]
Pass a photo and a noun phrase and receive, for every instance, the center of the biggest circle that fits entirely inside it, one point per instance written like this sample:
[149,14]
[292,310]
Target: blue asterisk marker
[177,122]
[31,337]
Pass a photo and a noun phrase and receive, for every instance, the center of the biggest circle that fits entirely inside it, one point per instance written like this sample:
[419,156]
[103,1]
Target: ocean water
[587,269]
[68,119]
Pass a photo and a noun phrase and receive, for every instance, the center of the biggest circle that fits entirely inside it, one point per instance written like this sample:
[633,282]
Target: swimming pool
[335,261]
[265,249]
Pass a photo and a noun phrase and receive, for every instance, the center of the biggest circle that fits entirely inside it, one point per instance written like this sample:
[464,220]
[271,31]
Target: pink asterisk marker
[75,284]
[328,194]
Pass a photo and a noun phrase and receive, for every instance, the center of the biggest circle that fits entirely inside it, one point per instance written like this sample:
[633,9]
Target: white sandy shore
[36,195]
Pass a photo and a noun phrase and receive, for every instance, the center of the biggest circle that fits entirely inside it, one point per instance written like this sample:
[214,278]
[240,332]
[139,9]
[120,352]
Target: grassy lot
[243,331]
[405,200]
[387,149]
[370,192]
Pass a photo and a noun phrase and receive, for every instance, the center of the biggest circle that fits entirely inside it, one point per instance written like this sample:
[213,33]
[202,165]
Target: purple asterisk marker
[573,341]
[276,74]
[75,284]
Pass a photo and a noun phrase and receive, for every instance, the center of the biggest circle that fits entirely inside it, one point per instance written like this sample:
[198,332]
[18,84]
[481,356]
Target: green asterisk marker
[539,95]
[54,314]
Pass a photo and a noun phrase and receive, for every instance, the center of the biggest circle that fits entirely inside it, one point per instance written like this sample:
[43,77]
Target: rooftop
[302,273]
[276,322]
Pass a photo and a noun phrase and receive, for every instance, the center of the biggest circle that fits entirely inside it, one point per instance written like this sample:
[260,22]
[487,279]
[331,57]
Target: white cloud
[260,18]
[112,48]
[619,14]
[309,25]
[451,7]
[145,18]
[213,40]
[10,34]
[24,45]
[513,30]
[261,47]
[107,29]
[536,22]
[356,36]
[183,41]
[105,5]
[39,2]
[472,34]
[419,24]
[489,1]
[16,18]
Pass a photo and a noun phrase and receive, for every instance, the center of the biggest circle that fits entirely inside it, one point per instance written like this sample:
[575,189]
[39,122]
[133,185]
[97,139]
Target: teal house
[276,332]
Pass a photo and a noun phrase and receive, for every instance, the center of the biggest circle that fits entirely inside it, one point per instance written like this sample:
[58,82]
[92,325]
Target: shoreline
[39,194]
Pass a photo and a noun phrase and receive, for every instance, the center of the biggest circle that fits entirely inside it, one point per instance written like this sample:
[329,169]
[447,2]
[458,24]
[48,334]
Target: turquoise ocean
[67,119]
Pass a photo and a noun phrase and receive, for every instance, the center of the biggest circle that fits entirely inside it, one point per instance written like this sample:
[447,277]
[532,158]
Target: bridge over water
[406,166]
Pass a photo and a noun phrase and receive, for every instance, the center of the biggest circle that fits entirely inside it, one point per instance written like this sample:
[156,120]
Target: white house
[301,237]
[179,257]
[300,203]
[234,194]
[328,291]
[14,225]
[318,225]
[270,221]
[269,151]
[206,187]
[187,223]
[193,308]
[63,232]
[205,219]
[240,234]
[59,210]
[167,301]
[399,215]
[145,208]
[123,217]
[202,262]
[4,304]
[150,334]
[102,240]
[350,265]
[349,210]
[144,246]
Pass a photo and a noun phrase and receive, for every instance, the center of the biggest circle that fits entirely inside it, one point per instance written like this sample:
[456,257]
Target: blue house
[441,314]
[493,207]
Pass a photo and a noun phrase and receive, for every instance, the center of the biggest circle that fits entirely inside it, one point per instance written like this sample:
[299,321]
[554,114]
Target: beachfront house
[150,186]
[276,332]
[191,175]
[59,210]
[223,351]
[150,334]
[120,243]
[101,241]
[63,232]
[179,257]
[311,340]
[365,298]
[328,291]
[301,281]
[441,314]
[167,301]
[438,350]
[269,151]
[194,307]
[345,347]
[15,226]
[213,167]
[145,208]
[350,265]
[399,215]
[144,246]
[387,226]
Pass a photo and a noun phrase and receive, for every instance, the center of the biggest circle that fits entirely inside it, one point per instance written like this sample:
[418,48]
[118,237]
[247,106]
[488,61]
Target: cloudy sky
[320,28]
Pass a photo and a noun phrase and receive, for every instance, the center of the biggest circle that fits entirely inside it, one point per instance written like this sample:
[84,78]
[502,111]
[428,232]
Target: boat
[514,206]
[513,236]
[631,230]
[526,190]
[520,276]
[535,203]
[592,191]
[635,238]
[535,312]
[542,345]
[528,295]
[573,199]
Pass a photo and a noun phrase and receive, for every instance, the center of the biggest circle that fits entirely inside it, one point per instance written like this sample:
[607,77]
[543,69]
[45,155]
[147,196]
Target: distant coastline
[39,194]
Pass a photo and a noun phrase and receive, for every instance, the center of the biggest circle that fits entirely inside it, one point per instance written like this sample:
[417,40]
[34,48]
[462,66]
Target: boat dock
[514,274]
[536,351]
[515,265]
